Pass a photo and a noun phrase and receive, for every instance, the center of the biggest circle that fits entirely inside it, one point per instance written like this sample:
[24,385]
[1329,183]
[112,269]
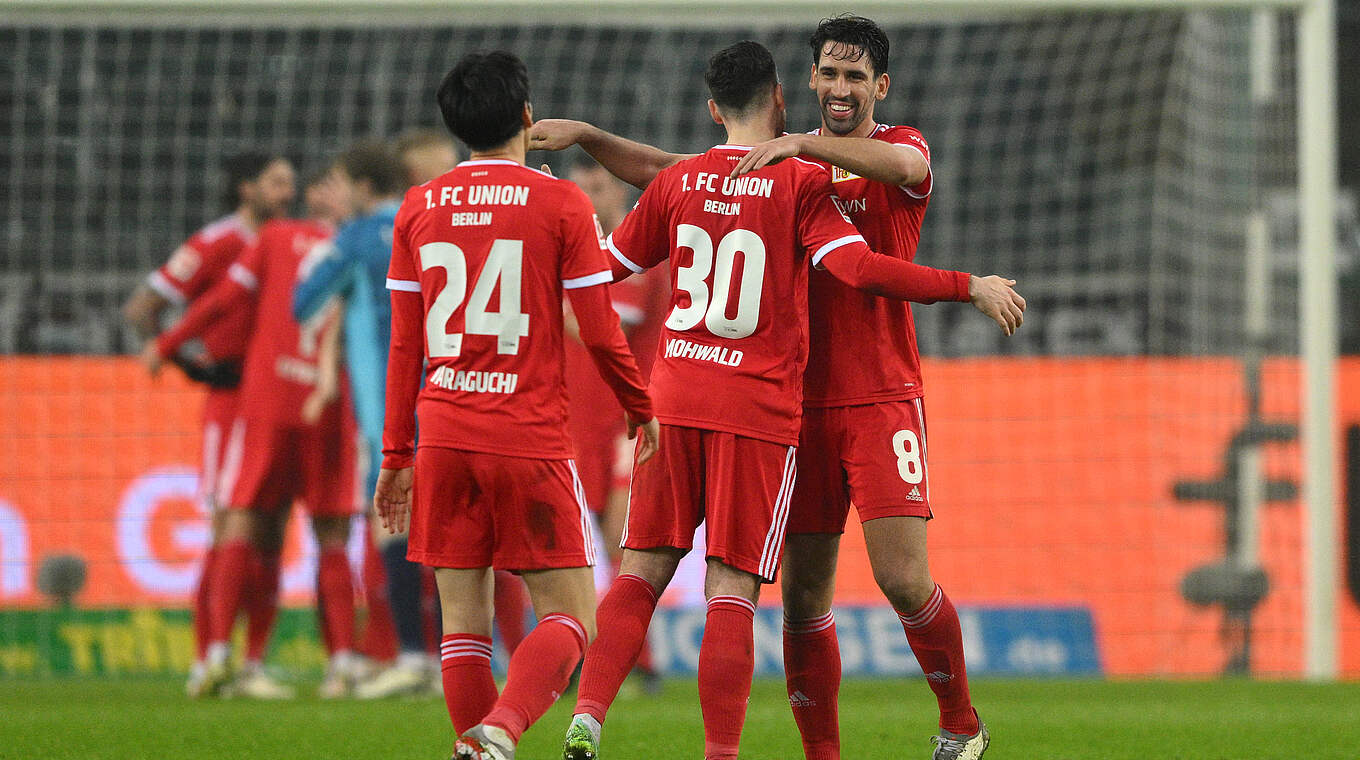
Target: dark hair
[482,98]
[852,31]
[245,167]
[739,74]
[376,162]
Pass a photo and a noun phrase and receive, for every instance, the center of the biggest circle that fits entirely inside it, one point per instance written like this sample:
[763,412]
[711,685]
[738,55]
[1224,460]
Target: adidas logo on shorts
[915,494]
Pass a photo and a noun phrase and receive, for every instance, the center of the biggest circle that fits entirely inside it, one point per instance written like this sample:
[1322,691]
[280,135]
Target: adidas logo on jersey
[799,699]
[939,676]
[915,494]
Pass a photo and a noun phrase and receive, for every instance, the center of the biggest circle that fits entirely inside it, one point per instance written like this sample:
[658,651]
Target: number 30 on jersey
[504,265]
[693,279]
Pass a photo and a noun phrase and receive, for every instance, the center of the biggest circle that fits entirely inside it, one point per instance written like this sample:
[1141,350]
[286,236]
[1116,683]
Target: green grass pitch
[880,720]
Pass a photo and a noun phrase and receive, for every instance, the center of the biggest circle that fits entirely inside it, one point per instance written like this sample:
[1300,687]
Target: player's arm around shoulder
[891,163]
[633,162]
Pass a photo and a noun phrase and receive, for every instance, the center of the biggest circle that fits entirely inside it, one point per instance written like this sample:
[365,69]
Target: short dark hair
[246,166]
[739,74]
[482,98]
[852,31]
[376,162]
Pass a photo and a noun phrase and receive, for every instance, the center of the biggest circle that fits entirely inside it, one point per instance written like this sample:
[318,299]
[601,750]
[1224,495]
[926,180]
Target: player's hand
[151,358]
[651,439]
[996,297]
[392,499]
[556,134]
[769,152]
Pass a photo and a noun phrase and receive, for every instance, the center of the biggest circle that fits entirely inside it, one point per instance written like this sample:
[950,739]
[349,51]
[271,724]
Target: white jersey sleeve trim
[833,245]
[908,188]
[599,278]
[624,260]
[406,286]
[243,276]
[167,289]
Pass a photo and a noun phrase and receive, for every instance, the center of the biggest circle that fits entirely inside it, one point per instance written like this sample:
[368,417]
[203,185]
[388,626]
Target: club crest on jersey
[840,175]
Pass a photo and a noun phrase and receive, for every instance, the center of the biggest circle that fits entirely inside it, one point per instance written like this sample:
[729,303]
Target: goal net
[1129,455]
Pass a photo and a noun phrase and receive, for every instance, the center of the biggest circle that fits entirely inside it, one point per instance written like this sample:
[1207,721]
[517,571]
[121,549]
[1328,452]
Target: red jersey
[281,358]
[195,267]
[864,347]
[735,343]
[490,247]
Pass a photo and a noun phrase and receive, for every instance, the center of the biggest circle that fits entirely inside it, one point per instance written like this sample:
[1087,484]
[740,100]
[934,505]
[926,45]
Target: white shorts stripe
[232,459]
[580,492]
[774,539]
[925,453]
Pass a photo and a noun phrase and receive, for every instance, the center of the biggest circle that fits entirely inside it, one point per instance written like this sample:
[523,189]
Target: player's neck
[248,217]
[513,150]
[748,134]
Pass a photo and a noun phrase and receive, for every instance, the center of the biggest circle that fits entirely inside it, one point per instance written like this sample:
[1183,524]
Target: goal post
[1114,154]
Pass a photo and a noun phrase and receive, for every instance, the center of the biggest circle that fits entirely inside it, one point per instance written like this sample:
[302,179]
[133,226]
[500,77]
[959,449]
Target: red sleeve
[910,138]
[182,277]
[405,360]
[602,336]
[641,241]
[229,293]
[857,266]
[583,248]
[822,227]
[403,273]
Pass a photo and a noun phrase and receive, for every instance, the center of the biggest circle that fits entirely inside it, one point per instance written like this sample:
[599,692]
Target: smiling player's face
[846,88]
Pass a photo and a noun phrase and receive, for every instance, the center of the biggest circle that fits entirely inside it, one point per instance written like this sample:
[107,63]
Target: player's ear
[812,78]
[527,118]
[778,96]
[713,111]
[881,86]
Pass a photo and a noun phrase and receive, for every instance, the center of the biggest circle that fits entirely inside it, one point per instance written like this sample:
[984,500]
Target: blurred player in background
[283,457]
[371,180]
[493,481]
[604,455]
[728,385]
[425,154]
[863,439]
[261,187]
[323,198]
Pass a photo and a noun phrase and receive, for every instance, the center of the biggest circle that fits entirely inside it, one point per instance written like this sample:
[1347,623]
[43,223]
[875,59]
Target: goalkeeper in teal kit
[354,269]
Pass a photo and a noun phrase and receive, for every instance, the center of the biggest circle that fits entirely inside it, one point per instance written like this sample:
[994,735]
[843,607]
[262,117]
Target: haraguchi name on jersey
[683,349]
[478,195]
[474,381]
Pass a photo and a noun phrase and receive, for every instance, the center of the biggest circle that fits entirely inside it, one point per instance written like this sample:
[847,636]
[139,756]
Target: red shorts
[471,509]
[873,455]
[282,463]
[738,486]
[222,441]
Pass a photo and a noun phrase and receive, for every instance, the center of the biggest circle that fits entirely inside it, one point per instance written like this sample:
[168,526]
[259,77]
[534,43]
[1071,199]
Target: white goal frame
[1317,169]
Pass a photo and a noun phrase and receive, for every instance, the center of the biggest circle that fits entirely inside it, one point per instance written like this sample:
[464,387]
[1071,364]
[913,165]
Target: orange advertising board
[1051,480]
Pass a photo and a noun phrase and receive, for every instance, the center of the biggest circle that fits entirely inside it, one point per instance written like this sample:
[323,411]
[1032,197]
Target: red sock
[335,593]
[538,674]
[726,661]
[230,569]
[934,635]
[510,604]
[812,670]
[623,617]
[380,633]
[202,605]
[262,605]
[469,689]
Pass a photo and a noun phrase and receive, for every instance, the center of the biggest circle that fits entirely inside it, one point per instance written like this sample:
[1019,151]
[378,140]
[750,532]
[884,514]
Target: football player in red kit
[481,257]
